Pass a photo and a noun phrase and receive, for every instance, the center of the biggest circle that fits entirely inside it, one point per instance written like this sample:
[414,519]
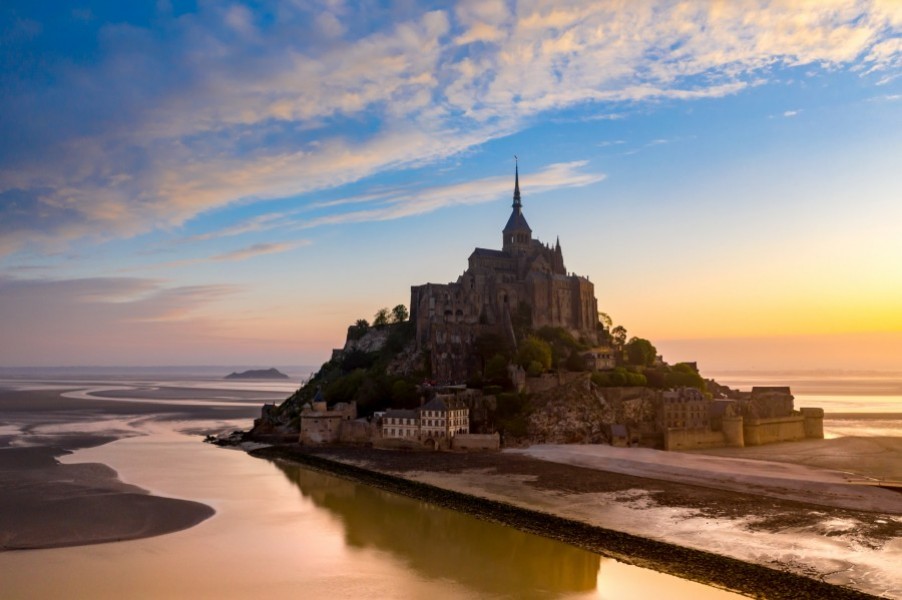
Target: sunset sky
[226,183]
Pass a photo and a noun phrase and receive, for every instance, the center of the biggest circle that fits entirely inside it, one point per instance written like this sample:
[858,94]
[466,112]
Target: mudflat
[763,546]
[44,503]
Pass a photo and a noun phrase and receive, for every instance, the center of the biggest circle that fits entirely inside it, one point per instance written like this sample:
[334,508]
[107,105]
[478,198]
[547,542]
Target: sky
[235,183]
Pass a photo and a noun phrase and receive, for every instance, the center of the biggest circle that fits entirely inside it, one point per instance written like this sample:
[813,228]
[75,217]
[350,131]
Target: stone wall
[476,441]
[814,422]
[548,381]
[693,439]
[399,444]
[769,431]
[356,432]
[733,432]
[320,429]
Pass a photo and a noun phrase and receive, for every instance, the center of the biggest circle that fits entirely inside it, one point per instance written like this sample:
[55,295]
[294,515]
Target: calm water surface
[282,529]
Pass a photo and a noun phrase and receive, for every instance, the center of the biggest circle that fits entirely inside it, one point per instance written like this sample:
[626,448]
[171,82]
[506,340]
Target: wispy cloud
[232,107]
[791,113]
[252,251]
[258,250]
[407,203]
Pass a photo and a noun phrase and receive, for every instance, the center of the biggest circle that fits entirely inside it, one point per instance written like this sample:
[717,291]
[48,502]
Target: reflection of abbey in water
[441,543]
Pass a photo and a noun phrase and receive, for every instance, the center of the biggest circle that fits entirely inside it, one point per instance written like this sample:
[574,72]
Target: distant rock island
[258,374]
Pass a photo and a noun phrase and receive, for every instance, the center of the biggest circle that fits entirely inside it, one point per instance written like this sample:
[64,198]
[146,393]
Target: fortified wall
[748,428]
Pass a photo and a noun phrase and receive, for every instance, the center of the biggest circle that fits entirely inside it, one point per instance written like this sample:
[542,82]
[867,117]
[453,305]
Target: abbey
[525,276]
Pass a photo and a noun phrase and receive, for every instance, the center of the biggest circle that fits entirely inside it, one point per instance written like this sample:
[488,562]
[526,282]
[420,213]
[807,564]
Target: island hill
[516,352]
[257,374]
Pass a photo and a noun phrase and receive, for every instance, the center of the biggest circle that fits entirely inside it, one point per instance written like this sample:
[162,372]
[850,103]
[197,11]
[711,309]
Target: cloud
[233,107]
[791,113]
[48,321]
[252,251]
[258,250]
[410,202]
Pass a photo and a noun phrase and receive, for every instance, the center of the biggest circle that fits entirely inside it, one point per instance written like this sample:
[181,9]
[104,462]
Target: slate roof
[487,253]
[397,413]
[517,222]
[443,404]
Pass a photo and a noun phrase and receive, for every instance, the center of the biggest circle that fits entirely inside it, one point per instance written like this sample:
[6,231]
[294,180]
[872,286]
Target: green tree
[562,343]
[521,319]
[640,352]
[358,329]
[381,318]
[399,314]
[403,394]
[488,345]
[534,349]
[605,320]
[618,336]
[512,414]
[575,362]
[683,375]
[496,369]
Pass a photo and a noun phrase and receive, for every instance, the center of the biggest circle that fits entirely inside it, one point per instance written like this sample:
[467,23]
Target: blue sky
[206,182]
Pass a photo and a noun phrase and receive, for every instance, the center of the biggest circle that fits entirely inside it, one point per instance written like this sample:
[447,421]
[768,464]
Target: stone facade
[320,425]
[435,424]
[496,285]
[684,408]
[740,424]
[601,358]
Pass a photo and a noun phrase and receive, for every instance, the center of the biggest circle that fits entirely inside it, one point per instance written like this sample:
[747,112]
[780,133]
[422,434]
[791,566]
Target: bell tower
[516,235]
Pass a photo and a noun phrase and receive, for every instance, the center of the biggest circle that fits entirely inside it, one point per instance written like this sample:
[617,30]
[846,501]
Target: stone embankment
[705,567]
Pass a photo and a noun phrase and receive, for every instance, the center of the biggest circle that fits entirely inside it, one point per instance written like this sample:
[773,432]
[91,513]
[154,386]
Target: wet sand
[540,497]
[45,504]
[852,550]
[877,458]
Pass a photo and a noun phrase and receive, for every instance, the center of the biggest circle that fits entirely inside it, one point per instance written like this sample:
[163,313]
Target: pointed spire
[516,183]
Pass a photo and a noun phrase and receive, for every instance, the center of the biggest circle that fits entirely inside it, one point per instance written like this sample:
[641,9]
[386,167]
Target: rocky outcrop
[579,412]
[372,341]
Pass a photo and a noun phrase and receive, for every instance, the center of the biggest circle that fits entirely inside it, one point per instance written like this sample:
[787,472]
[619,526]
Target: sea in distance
[279,528]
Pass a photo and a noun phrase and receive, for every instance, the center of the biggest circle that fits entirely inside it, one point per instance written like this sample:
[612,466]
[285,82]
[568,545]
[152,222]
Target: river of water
[282,529]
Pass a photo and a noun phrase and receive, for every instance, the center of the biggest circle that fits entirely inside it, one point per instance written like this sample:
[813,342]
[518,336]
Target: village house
[435,423]
[684,408]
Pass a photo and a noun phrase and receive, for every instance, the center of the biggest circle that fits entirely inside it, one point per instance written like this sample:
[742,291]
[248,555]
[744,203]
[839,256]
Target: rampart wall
[476,441]
[739,432]
[693,439]
[769,431]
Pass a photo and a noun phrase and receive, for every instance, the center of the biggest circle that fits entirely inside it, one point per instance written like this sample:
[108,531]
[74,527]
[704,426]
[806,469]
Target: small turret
[557,265]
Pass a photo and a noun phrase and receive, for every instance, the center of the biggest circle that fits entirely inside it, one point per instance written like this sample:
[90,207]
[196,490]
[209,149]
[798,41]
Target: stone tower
[516,235]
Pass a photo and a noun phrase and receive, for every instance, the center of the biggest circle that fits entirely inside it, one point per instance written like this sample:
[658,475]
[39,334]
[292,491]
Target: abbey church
[524,275]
